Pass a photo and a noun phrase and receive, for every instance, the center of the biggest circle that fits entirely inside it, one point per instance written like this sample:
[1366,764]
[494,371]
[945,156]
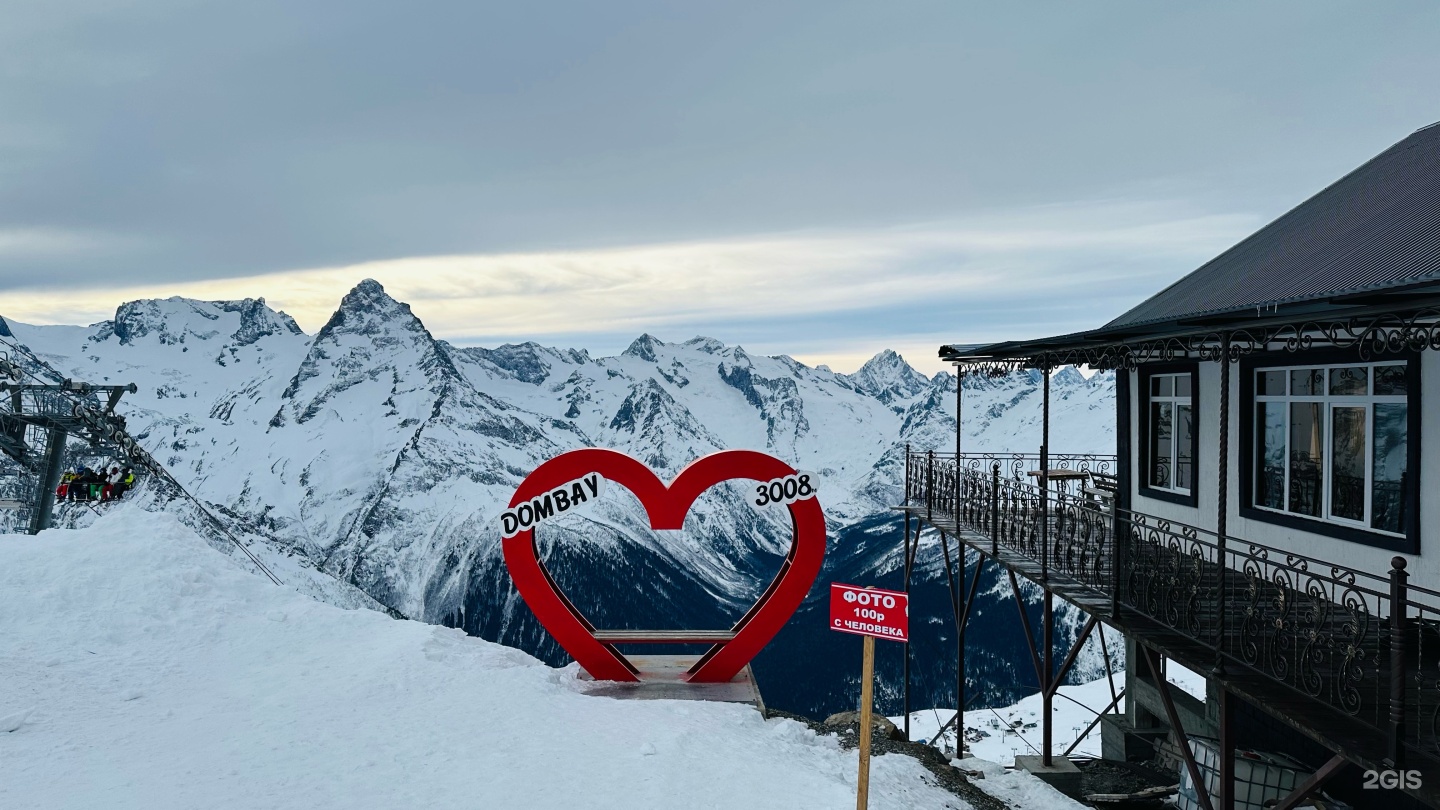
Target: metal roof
[1368,239]
[1376,228]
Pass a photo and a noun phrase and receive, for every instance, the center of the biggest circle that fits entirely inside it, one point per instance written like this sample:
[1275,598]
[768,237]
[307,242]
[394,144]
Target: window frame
[1408,542]
[1142,480]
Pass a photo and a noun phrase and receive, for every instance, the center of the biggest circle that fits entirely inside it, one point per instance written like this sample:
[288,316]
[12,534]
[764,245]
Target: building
[1271,521]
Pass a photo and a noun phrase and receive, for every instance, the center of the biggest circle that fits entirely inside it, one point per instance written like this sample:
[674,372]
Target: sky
[823,180]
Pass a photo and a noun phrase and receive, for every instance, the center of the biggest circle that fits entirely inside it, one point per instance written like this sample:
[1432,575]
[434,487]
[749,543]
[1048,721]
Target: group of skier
[85,484]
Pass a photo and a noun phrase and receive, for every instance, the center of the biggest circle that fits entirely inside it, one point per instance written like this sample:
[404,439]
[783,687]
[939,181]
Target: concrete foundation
[1061,774]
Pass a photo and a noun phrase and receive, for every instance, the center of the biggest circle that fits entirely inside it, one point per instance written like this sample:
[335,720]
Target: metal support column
[1399,596]
[1047,620]
[1227,749]
[1048,698]
[1222,512]
[1045,480]
[49,480]
[959,392]
[960,650]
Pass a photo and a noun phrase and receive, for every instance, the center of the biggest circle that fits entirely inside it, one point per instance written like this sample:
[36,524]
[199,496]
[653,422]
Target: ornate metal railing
[1017,465]
[1324,630]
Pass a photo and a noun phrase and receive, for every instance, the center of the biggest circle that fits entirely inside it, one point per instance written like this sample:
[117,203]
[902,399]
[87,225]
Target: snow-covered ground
[998,735]
[141,668]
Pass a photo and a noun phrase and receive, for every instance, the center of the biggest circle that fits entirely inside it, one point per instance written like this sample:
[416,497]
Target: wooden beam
[1312,783]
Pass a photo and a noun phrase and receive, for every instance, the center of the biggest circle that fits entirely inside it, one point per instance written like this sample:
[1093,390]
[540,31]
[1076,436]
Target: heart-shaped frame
[666,507]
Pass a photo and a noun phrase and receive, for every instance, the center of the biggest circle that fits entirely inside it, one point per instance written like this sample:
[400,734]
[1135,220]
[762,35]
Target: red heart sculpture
[666,506]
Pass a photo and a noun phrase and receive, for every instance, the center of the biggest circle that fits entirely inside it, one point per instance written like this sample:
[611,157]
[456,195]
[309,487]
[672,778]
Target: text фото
[552,504]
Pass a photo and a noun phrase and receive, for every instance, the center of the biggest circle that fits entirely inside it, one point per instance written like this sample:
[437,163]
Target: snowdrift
[144,669]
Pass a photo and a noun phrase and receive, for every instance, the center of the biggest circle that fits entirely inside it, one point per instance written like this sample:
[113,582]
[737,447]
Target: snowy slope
[384,456]
[142,669]
[999,734]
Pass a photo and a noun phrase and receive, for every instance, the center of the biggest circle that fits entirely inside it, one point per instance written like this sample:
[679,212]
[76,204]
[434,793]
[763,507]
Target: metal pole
[1124,460]
[49,480]
[1223,508]
[867,690]
[1048,698]
[1227,749]
[1399,596]
[930,486]
[959,389]
[1045,482]
[907,473]
[995,510]
[960,652]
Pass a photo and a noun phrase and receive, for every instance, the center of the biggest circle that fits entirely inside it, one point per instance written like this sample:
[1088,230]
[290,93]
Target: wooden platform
[662,678]
[664,636]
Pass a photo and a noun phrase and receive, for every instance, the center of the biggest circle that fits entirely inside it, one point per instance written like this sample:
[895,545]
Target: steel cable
[138,454]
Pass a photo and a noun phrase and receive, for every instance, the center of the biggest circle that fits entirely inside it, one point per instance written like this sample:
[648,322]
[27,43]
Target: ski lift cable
[133,449]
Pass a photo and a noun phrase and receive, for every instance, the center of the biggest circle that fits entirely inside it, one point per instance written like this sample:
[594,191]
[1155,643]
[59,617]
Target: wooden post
[867,694]
[905,674]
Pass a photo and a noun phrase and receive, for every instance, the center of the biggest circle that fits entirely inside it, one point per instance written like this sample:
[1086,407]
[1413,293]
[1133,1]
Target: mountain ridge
[384,454]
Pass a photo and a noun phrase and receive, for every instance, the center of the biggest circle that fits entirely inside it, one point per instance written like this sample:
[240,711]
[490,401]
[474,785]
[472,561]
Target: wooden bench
[664,636]
[1101,489]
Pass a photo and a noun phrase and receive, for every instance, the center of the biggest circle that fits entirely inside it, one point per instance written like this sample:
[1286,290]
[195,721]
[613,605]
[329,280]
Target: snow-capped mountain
[385,455]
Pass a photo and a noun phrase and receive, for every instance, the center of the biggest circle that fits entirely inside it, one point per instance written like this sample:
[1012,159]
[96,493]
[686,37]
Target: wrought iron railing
[1326,631]
[1017,465]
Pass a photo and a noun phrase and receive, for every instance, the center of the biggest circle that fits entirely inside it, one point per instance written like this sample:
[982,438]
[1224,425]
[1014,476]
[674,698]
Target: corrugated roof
[1377,228]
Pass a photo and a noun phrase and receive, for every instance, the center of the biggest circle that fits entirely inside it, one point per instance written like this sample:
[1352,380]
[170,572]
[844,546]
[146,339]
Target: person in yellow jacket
[64,489]
[127,480]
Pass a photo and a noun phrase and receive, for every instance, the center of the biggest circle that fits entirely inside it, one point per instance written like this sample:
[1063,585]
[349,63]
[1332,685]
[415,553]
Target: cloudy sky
[822,179]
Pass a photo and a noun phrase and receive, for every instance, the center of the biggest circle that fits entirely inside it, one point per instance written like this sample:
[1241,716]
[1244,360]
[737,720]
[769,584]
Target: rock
[879,724]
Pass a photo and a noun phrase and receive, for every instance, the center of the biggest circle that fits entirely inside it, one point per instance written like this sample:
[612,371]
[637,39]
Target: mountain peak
[173,320]
[708,345]
[643,347]
[887,377]
[367,309]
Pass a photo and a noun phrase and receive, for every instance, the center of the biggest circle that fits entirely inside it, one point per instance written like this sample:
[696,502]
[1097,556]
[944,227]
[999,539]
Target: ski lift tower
[37,420]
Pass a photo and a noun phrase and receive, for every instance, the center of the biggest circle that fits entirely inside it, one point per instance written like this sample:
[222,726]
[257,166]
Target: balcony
[1349,658]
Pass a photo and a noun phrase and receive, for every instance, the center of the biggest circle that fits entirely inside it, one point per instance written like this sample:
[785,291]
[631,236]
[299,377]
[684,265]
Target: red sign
[576,477]
[870,611]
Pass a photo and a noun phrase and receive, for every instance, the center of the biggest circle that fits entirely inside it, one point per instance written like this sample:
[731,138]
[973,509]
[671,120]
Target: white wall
[1424,568]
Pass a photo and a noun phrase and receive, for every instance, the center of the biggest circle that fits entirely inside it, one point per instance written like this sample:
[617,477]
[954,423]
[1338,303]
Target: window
[1332,443]
[1168,442]
[1172,424]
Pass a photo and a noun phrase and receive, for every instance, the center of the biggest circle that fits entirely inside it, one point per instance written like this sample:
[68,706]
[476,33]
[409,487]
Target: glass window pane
[1349,381]
[1307,381]
[1154,386]
[1182,385]
[1270,383]
[1164,385]
[1270,461]
[1161,442]
[1307,457]
[1389,381]
[1387,499]
[1347,470]
[1184,431]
